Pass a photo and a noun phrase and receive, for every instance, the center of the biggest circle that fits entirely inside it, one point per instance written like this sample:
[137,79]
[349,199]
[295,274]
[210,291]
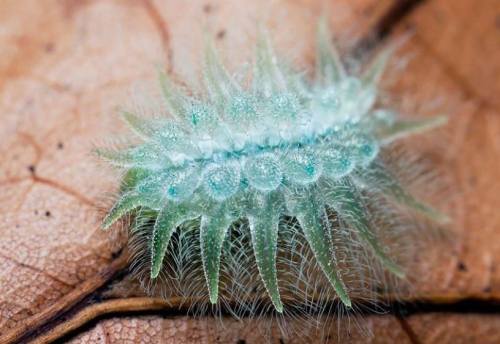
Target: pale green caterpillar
[286,166]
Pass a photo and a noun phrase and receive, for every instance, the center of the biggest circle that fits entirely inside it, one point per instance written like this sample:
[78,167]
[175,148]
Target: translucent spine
[284,146]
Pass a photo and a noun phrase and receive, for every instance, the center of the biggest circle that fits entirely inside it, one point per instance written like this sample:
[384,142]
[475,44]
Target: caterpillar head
[281,151]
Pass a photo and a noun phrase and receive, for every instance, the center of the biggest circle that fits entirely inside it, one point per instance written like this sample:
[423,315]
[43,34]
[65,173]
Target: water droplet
[263,172]
[221,180]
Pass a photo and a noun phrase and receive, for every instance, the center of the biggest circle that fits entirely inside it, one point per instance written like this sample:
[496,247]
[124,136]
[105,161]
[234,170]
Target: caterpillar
[279,172]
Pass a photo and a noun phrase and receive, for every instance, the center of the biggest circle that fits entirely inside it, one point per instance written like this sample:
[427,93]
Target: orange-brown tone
[64,67]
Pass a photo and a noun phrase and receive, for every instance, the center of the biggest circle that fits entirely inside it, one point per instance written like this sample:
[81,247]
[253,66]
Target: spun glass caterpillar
[281,156]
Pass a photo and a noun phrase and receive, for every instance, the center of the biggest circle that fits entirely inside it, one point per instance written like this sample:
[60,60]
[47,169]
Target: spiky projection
[278,146]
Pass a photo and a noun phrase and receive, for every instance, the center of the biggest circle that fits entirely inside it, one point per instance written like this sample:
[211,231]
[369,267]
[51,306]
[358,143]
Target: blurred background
[65,67]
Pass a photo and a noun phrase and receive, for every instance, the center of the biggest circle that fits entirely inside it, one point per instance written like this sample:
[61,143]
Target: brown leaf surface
[187,330]
[441,70]
[66,64]
[431,328]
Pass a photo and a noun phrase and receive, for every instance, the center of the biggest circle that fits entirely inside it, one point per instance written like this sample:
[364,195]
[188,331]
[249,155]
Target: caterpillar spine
[282,147]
